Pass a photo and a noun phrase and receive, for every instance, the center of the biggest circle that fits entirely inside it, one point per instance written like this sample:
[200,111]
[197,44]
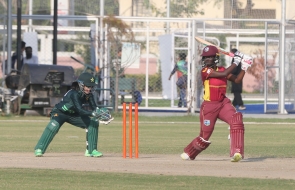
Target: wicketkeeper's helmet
[85,79]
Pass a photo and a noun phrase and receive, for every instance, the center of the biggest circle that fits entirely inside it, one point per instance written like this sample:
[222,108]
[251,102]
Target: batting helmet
[209,51]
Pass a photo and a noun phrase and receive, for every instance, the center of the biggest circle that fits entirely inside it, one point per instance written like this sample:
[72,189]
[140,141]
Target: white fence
[160,41]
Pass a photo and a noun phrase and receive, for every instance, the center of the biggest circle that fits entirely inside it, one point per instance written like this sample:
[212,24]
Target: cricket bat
[206,43]
[223,51]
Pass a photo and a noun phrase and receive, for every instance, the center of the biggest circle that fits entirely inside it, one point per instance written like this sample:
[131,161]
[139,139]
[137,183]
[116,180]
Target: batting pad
[196,147]
[237,134]
[49,132]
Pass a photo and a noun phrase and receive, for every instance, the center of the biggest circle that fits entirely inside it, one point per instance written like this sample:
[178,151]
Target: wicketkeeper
[217,106]
[70,110]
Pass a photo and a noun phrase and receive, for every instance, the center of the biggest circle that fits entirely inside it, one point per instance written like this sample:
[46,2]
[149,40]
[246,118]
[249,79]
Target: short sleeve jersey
[214,88]
[181,67]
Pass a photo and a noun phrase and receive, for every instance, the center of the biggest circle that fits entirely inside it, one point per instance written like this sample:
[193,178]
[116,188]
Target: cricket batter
[70,110]
[217,105]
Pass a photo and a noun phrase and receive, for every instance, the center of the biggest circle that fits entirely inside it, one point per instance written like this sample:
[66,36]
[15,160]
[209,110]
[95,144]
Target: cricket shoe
[237,157]
[94,153]
[242,107]
[185,156]
[38,153]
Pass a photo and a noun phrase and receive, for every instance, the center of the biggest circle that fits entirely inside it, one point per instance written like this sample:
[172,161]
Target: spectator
[30,58]
[14,57]
[181,68]
[237,88]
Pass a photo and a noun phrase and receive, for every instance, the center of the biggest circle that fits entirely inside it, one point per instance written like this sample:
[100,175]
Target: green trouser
[58,118]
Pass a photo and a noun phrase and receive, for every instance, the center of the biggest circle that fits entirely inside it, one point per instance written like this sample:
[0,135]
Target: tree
[238,12]
[184,8]
[117,32]
[81,7]
[258,69]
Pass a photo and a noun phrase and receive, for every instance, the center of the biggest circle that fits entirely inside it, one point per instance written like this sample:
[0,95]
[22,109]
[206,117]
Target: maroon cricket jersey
[214,88]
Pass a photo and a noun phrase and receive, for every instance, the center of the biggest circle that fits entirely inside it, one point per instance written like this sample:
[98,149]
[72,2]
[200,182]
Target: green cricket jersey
[72,103]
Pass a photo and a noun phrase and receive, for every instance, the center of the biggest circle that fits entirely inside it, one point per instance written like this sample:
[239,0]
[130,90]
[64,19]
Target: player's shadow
[258,159]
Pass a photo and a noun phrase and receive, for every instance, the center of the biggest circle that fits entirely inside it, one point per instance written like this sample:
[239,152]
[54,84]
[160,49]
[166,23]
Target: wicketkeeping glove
[103,115]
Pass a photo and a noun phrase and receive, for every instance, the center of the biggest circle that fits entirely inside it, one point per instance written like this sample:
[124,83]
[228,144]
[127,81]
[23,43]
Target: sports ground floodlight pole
[282,60]
[9,34]
[99,65]
[54,48]
[168,16]
[19,41]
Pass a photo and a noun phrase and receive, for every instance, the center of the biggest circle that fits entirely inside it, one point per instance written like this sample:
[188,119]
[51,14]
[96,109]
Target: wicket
[130,129]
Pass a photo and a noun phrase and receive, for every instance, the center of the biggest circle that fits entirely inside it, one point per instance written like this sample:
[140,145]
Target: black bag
[12,81]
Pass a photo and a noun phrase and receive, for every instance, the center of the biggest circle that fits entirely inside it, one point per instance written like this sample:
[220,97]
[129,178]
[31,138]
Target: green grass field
[264,138]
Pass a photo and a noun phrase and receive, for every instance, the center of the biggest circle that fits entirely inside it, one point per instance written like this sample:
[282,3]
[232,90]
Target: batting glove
[238,56]
[241,55]
[248,59]
[246,64]
[237,60]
